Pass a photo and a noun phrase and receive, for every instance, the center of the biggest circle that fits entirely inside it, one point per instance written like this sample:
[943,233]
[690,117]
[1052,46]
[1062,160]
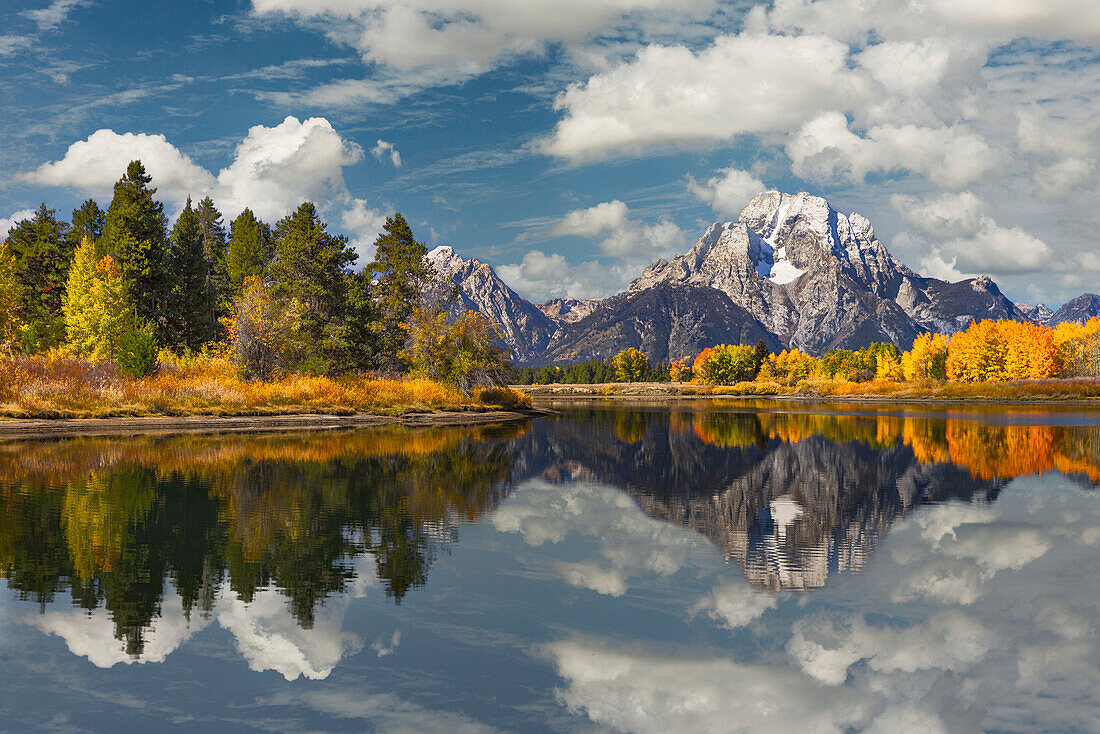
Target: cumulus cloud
[672,96]
[276,168]
[621,235]
[1058,180]
[959,238]
[14,219]
[93,166]
[826,149]
[728,192]
[384,150]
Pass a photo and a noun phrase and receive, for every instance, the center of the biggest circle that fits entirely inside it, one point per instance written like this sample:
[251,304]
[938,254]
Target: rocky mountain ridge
[791,270]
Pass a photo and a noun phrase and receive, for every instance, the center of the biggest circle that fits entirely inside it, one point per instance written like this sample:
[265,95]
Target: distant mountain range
[791,270]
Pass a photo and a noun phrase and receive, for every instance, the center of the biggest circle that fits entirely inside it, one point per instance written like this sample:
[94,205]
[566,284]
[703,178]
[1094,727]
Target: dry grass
[1051,389]
[64,387]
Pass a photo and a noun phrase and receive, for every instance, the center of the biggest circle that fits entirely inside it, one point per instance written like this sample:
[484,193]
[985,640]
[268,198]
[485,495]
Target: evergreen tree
[402,275]
[214,250]
[251,248]
[191,320]
[759,355]
[310,267]
[359,332]
[134,233]
[42,254]
[88,222]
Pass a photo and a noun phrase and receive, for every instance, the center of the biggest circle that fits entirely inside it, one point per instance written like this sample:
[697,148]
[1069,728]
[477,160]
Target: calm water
[710,567]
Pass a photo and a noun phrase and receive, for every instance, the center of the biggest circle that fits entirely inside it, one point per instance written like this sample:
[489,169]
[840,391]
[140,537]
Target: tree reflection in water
[113,522]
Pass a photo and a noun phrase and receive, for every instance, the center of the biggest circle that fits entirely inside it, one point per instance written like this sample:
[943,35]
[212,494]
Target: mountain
[666,322]
[1082,308]
[568,310]
[1040,313]
[821,280]
[792,270]
[525,328]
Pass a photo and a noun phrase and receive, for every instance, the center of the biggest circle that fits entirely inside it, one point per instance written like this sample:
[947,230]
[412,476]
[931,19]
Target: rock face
[666,322]
[525,328]
[1082,308]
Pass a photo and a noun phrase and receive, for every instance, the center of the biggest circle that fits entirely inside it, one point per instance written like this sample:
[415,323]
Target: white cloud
[629,244]
[385,711]
[623,237]
[276,168]
[54,14]
[12,44]
[469,36]
[384,150]
[1059,180]
[94,165]
[14,219]
[825,149]
[949,215]
[672,96]
[729,192]
[949,640]
[363,225]
[960,238]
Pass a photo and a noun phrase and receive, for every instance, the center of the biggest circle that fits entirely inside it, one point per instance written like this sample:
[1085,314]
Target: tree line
[120,284]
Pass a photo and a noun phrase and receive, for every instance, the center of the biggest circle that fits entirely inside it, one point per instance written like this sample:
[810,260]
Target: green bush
[137,351]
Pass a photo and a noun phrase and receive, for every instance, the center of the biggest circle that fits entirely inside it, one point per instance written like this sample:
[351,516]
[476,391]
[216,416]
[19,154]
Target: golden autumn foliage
[679,371]
[792,366]
[927,360]
[1002,350]
[1079,347]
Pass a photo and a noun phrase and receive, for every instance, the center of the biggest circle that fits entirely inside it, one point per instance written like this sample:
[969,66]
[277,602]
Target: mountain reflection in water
[130,525]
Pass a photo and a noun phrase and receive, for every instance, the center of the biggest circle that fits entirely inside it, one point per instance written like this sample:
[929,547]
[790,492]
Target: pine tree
[42,255]
[134,234]
[191,319]
[402,275]
[88,222]
[214,250]
[251,248]
[310,267]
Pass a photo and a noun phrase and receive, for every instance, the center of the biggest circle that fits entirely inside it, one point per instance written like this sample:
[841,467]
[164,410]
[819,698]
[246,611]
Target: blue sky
[570,143]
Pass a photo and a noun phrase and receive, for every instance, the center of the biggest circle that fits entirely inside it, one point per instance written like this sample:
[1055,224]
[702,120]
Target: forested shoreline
[115,313]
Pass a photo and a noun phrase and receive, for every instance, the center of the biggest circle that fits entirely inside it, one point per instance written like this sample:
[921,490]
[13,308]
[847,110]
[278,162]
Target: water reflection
[268,524]
[153,539]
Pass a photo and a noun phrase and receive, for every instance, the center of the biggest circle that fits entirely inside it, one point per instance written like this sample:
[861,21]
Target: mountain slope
[1084,307]
[666,322]
[526,329]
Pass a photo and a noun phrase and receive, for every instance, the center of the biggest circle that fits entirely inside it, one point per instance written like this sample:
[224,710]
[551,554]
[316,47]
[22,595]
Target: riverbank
[1085,390]
[64,428]
[38,388]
